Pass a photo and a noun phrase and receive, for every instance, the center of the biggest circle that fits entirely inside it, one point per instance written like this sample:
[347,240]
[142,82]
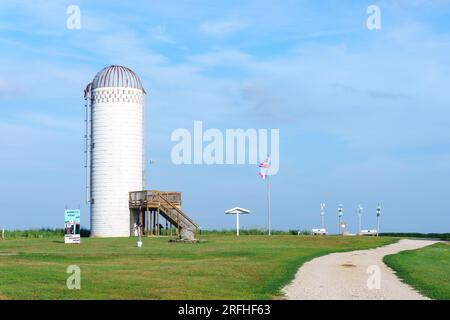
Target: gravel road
[354,275]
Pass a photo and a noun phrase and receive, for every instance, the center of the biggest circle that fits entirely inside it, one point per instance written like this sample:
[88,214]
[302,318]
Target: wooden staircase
[147,206]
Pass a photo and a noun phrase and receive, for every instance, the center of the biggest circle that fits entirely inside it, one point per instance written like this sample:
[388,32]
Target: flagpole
[264,174]
[268,202]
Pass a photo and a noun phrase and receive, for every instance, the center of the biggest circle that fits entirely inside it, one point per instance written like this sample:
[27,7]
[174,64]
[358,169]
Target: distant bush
[303,232]
[85,233]
[254,231]
[441,236]
[40,233]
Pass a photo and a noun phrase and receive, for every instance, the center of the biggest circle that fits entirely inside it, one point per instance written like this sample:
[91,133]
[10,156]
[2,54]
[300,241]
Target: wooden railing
[168,202]
[180,214]
[151,197]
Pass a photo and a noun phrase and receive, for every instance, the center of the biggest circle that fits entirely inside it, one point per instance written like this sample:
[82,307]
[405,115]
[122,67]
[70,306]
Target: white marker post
[237,211]
[139,242]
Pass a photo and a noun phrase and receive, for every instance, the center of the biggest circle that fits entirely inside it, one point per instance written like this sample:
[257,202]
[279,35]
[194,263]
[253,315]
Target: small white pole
[3,234]
[360,209]
[340,226]
[237,223]
[378,225]
[322,214]
[139,242]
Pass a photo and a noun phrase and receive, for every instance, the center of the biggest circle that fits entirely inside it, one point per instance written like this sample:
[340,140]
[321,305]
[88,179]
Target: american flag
[264,168]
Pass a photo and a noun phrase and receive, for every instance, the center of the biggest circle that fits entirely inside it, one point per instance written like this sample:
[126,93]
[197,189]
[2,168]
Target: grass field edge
[404,277]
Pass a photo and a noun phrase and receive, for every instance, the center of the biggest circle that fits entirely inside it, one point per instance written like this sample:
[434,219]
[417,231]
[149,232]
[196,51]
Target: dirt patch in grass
[3,297]
[348,265]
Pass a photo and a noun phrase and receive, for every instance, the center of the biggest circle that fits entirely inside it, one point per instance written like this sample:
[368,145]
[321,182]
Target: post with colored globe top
[340,213]
[378,218]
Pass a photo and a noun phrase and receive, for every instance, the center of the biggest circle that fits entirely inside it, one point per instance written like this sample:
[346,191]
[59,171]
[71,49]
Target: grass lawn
[223,267]
[426,269]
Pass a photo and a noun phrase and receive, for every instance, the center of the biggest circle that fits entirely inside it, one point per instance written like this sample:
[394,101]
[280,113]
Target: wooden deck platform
[147,207]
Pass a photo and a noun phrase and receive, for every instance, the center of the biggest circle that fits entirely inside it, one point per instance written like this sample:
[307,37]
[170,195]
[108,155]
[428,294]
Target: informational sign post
[72,226]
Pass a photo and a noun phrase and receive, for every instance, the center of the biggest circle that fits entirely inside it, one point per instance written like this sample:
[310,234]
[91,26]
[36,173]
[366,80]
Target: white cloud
[49,121]
[159,33]
[222,28]
[128,49]
[215,58]
[4,88]
[7,88]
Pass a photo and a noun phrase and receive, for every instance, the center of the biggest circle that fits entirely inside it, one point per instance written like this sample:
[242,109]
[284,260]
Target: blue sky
[363,114]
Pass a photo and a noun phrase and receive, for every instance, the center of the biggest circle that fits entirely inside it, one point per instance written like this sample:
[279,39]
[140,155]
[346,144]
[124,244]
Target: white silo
[115,153]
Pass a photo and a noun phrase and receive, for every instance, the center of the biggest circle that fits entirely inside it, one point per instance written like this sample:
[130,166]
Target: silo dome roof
[117,76]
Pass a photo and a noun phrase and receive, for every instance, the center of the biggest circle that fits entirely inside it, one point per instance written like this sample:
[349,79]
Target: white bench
[322,232]
[368,232]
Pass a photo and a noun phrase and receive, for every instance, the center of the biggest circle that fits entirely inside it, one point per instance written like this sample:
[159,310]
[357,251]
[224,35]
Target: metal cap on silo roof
[117,76]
